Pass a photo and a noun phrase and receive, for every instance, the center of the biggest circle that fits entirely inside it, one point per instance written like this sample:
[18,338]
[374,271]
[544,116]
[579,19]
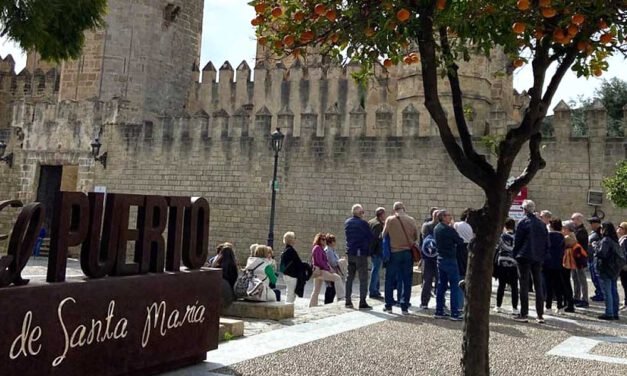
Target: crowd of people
[540,254]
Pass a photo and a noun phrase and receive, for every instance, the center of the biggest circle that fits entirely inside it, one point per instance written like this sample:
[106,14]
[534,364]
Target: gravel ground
[420,345]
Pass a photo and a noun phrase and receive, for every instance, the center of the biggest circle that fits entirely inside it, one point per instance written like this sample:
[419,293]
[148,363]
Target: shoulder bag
[415,251]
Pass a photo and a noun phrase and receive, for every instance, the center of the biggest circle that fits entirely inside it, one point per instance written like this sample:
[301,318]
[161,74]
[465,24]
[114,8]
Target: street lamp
[9,158]
[95,152]
[277,145]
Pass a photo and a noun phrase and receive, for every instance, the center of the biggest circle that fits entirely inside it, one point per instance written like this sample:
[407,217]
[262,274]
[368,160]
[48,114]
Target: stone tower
[145,55]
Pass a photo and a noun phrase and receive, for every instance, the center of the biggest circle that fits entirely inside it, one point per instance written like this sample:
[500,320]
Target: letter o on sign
[196,234]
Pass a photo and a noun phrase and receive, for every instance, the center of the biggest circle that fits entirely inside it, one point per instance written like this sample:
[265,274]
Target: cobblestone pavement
[373,342]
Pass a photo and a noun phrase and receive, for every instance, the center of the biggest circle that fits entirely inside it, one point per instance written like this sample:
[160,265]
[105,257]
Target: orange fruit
[581,45]
[538,34]
[407,60]
[369,32]
[331,15]
[277,12]
[548,12]
[544,3]
[602,24]
[578,19]
[256,21]
[403,15]
[606,38]
[288,40]
[278,44]
[414,57]
[299,16]
[558,35]
[391,25]
[307,36]
[489,9]
[522,5]
[518,63]
[597,72]
[262,41]
[518,27]
[260,7]
[572,30]
[320,9]
[334,38]
[440,4]
[387,63]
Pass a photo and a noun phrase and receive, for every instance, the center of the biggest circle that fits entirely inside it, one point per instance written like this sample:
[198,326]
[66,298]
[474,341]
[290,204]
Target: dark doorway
[49,185]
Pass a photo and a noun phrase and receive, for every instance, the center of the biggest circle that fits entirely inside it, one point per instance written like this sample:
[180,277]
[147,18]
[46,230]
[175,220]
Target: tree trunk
[488,224]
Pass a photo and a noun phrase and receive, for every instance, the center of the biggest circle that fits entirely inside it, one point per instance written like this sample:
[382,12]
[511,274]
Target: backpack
[505,251]
[568,261]
[617,261]
[248,284]
[429,248]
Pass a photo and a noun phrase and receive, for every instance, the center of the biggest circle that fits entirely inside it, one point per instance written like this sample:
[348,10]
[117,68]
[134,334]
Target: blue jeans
[598,290]
[374,276]
[399,269]
[448,276]
[610,290]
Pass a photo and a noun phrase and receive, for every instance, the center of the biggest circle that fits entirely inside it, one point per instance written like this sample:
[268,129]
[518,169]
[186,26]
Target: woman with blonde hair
[322,271]
[262,268]
[294,270]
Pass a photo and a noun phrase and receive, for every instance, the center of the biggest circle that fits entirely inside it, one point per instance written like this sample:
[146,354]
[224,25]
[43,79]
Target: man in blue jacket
[448,242]
[531,246]
[358,239]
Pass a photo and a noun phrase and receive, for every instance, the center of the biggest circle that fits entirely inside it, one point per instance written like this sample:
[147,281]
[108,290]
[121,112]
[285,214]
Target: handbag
[415,251]
[246,283]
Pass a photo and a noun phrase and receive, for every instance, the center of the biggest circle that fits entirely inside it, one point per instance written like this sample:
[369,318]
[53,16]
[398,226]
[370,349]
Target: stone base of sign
[234,328]
[417,277]
[135,325]
[260,310]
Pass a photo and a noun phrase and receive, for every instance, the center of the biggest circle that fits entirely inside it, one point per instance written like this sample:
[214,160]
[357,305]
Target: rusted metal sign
[134,315]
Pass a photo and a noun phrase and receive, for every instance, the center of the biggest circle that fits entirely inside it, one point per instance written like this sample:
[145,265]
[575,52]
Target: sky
[228,35]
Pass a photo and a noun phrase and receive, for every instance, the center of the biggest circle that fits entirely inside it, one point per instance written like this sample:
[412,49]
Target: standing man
[448,243]
[594,240]
[531,246]
[579,275]
[403,232]
[358,239]
[376,226]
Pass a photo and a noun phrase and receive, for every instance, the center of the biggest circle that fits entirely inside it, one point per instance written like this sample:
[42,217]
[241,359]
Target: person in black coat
[531,246]
[227,262]
[295,272]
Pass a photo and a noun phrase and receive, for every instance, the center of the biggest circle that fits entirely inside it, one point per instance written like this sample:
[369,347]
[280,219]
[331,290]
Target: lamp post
[6,159]
[277,145]
[95,152]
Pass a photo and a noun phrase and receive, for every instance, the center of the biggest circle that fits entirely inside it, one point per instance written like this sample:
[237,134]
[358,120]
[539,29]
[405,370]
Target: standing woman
[622,241]
[322,271]
[553,271]
[609,264]
[293,269]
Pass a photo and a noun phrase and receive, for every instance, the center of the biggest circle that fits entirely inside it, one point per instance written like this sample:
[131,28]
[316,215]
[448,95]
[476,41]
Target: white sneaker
[558,311]
[498,310]
[515,311]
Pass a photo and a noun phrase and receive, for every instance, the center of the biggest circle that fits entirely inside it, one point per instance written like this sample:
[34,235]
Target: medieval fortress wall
[169,129]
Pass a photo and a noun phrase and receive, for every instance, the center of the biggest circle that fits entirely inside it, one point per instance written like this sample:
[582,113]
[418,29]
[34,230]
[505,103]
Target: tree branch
[427,47]
[458,106]
[535,164]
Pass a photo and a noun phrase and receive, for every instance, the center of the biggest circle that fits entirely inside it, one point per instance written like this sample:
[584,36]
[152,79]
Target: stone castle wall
[321,175]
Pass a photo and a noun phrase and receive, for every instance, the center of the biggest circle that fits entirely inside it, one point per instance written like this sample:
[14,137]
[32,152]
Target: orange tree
[553,36]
